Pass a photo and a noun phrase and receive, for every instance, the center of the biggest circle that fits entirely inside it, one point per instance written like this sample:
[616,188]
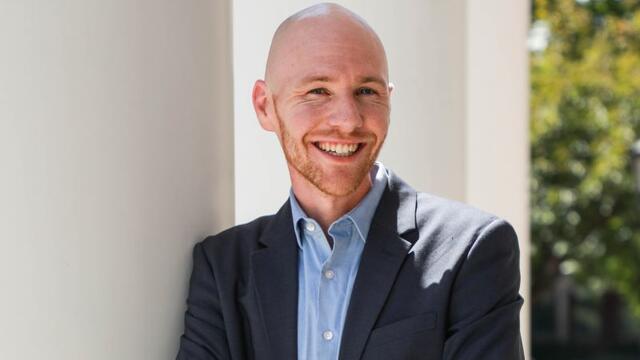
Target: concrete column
[497,122]
[115,157]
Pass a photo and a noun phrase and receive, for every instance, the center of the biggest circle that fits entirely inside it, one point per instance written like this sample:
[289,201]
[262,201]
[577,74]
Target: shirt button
[329,274]
[310,226]
[327,335]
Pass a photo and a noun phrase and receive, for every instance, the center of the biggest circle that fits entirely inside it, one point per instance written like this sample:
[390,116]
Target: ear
[261,103]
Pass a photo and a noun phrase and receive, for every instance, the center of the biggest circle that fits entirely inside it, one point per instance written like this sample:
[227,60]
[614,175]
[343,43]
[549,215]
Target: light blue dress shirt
[326,275]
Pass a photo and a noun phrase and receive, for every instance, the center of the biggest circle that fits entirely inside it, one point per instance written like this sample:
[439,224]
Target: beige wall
[115,157]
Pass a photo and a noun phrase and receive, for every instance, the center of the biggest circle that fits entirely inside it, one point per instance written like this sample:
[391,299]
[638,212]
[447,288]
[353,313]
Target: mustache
[357,135]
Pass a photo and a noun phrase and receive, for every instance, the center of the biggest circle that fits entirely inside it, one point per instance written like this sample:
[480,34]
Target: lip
[340,159]
[339,141]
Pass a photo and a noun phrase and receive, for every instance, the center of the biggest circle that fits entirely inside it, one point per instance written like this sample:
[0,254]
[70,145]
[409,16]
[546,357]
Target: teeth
[338,149]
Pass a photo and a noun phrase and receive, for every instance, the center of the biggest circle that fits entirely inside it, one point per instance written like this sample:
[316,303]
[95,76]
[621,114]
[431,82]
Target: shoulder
[460,222]
[449,214]
[451,223]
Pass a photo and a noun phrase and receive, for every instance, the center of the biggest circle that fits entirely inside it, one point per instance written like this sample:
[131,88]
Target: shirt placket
[331,290]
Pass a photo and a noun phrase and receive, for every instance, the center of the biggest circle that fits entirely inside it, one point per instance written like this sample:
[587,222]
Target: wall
[115,155]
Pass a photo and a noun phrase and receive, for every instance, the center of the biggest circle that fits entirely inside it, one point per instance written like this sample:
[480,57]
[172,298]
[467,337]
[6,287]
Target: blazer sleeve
[485,303]
[204,335]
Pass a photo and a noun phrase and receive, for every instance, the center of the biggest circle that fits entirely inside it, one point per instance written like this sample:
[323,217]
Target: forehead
[331,50]
[333,59]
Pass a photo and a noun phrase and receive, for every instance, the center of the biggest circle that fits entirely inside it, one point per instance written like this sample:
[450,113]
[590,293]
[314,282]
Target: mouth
[338,149]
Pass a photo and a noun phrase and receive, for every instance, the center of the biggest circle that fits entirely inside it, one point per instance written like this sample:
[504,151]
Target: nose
[345,114]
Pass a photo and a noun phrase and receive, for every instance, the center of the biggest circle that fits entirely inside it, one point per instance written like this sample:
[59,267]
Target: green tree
[585,114]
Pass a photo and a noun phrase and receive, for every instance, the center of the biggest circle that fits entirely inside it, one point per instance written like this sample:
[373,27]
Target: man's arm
[485,304]
[204,335]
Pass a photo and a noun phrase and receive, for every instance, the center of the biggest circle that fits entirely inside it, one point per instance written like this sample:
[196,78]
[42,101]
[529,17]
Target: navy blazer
[437,280]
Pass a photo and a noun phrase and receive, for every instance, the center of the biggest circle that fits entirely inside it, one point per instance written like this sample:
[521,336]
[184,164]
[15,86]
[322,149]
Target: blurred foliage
[585,114]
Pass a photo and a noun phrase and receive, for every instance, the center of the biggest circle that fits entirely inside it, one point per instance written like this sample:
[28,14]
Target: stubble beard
[331,185]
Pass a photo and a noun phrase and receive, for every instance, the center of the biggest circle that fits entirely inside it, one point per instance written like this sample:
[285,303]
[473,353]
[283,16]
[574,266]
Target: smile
[336,149]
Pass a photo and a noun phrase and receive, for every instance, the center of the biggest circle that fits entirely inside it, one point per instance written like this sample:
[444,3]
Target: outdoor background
[585,215]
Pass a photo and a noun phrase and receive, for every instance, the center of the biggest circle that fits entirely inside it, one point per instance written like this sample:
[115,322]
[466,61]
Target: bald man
[356,264]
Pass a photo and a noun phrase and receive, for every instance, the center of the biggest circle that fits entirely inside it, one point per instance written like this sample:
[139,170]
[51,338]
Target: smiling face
[327,98]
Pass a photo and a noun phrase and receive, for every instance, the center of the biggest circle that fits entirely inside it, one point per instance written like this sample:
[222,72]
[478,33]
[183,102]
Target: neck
[325,208]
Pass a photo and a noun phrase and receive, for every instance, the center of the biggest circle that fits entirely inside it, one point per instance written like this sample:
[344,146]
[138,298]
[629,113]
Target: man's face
[331,106]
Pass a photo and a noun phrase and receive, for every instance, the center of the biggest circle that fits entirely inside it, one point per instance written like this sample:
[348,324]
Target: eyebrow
[373,79]
[322,78]
[314,78]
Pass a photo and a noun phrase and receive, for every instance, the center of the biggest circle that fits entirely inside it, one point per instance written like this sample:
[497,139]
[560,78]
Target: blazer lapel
[275,270]
[392,233]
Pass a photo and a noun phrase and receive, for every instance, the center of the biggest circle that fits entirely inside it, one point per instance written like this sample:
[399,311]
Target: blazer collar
[275,270]
[397,209]
[393,232]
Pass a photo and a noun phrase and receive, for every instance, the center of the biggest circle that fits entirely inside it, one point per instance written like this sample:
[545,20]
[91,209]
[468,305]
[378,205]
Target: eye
[366,91]
[318,91]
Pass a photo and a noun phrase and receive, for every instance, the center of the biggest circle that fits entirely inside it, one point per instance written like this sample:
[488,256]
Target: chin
[337,190]
[340,186]
[336,181]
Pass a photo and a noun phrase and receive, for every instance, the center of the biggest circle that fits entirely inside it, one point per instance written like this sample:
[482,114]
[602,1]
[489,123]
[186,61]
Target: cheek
[375,108]
[380,130]
[377,118]
[307,116]
[299,122]
[312,109]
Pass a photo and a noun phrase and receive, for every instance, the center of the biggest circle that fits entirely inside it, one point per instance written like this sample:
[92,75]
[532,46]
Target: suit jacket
[437,280]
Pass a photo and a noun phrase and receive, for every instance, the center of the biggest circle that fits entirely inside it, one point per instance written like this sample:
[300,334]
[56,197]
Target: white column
[497,109]
[115,157]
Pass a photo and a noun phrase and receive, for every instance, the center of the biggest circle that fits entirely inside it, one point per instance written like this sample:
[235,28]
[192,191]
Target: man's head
[326,96]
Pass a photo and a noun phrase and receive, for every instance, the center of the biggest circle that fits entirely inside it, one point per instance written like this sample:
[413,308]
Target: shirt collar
[361,215]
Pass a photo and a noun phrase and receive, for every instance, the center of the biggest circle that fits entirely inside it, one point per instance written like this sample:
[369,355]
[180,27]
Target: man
[356,264]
